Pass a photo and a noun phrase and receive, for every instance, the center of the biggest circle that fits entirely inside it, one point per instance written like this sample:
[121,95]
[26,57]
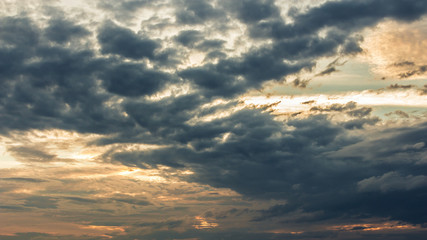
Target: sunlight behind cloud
[397,50]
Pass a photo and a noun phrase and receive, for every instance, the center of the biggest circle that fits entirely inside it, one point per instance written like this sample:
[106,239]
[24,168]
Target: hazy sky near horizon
[200,120]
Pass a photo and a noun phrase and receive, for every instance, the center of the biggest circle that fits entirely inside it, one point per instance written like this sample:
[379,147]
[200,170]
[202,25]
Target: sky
[203,120]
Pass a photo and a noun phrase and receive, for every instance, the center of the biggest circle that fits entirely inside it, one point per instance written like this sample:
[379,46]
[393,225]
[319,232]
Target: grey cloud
[124,10]
[392,181]
[166,115]
[261,159]
[340,19]
[347,16]
[210,44]
[62,31]
[361,112]
[157,225]
[360,122]
[124,42]
[401,146]
[28,154]
[336,107]
[248,151]
[131,200]
[403,64]
[33,235]
[327,71]
[307,47]
[125,5]
[21,179]
[301,83]
[41,202]
[134,80]
[250,11]
[196,12]
[420,70]
[331,67]
[189,37]
[81,200]
[212,81]
[19,31]
[215,55]
[398,86]
[399,113]
[54,89]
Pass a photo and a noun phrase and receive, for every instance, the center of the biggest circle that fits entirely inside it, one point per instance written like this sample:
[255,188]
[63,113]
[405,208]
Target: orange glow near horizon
[374,227]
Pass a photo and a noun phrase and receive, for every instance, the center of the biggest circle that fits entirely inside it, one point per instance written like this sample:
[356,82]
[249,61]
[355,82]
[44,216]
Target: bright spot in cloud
[203,223]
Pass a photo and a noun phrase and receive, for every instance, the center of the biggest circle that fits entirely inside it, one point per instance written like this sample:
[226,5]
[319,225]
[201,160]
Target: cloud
[189,37]
[122,41]
[134,80]
[250,11]
[196,12]
[62,31]
[336,107]
[18,179]
[392,181]
[158,139]
[401,62]
[41,202]
[28,154]
[398,86]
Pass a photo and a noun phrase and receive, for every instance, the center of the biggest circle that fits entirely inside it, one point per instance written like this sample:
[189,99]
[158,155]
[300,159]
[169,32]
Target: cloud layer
[127,121]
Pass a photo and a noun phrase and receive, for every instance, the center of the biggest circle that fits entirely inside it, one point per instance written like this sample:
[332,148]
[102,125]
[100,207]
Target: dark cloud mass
[124,42]
[138,87]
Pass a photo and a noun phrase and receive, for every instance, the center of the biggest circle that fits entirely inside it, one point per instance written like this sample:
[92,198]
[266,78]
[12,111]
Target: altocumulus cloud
[134,83]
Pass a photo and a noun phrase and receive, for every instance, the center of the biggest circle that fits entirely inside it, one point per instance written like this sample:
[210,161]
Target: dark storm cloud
[215,55]
[62,31]
[255,68]
[321,168]
[210,44]
[58,89]
[189,37]
[18,31]
[196,12]
[261,159]
[124,42]
[346,16]
[212,82]
[392,181]
[124,10]
[134,80]
[165,116]
[250,11]
[309,47]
